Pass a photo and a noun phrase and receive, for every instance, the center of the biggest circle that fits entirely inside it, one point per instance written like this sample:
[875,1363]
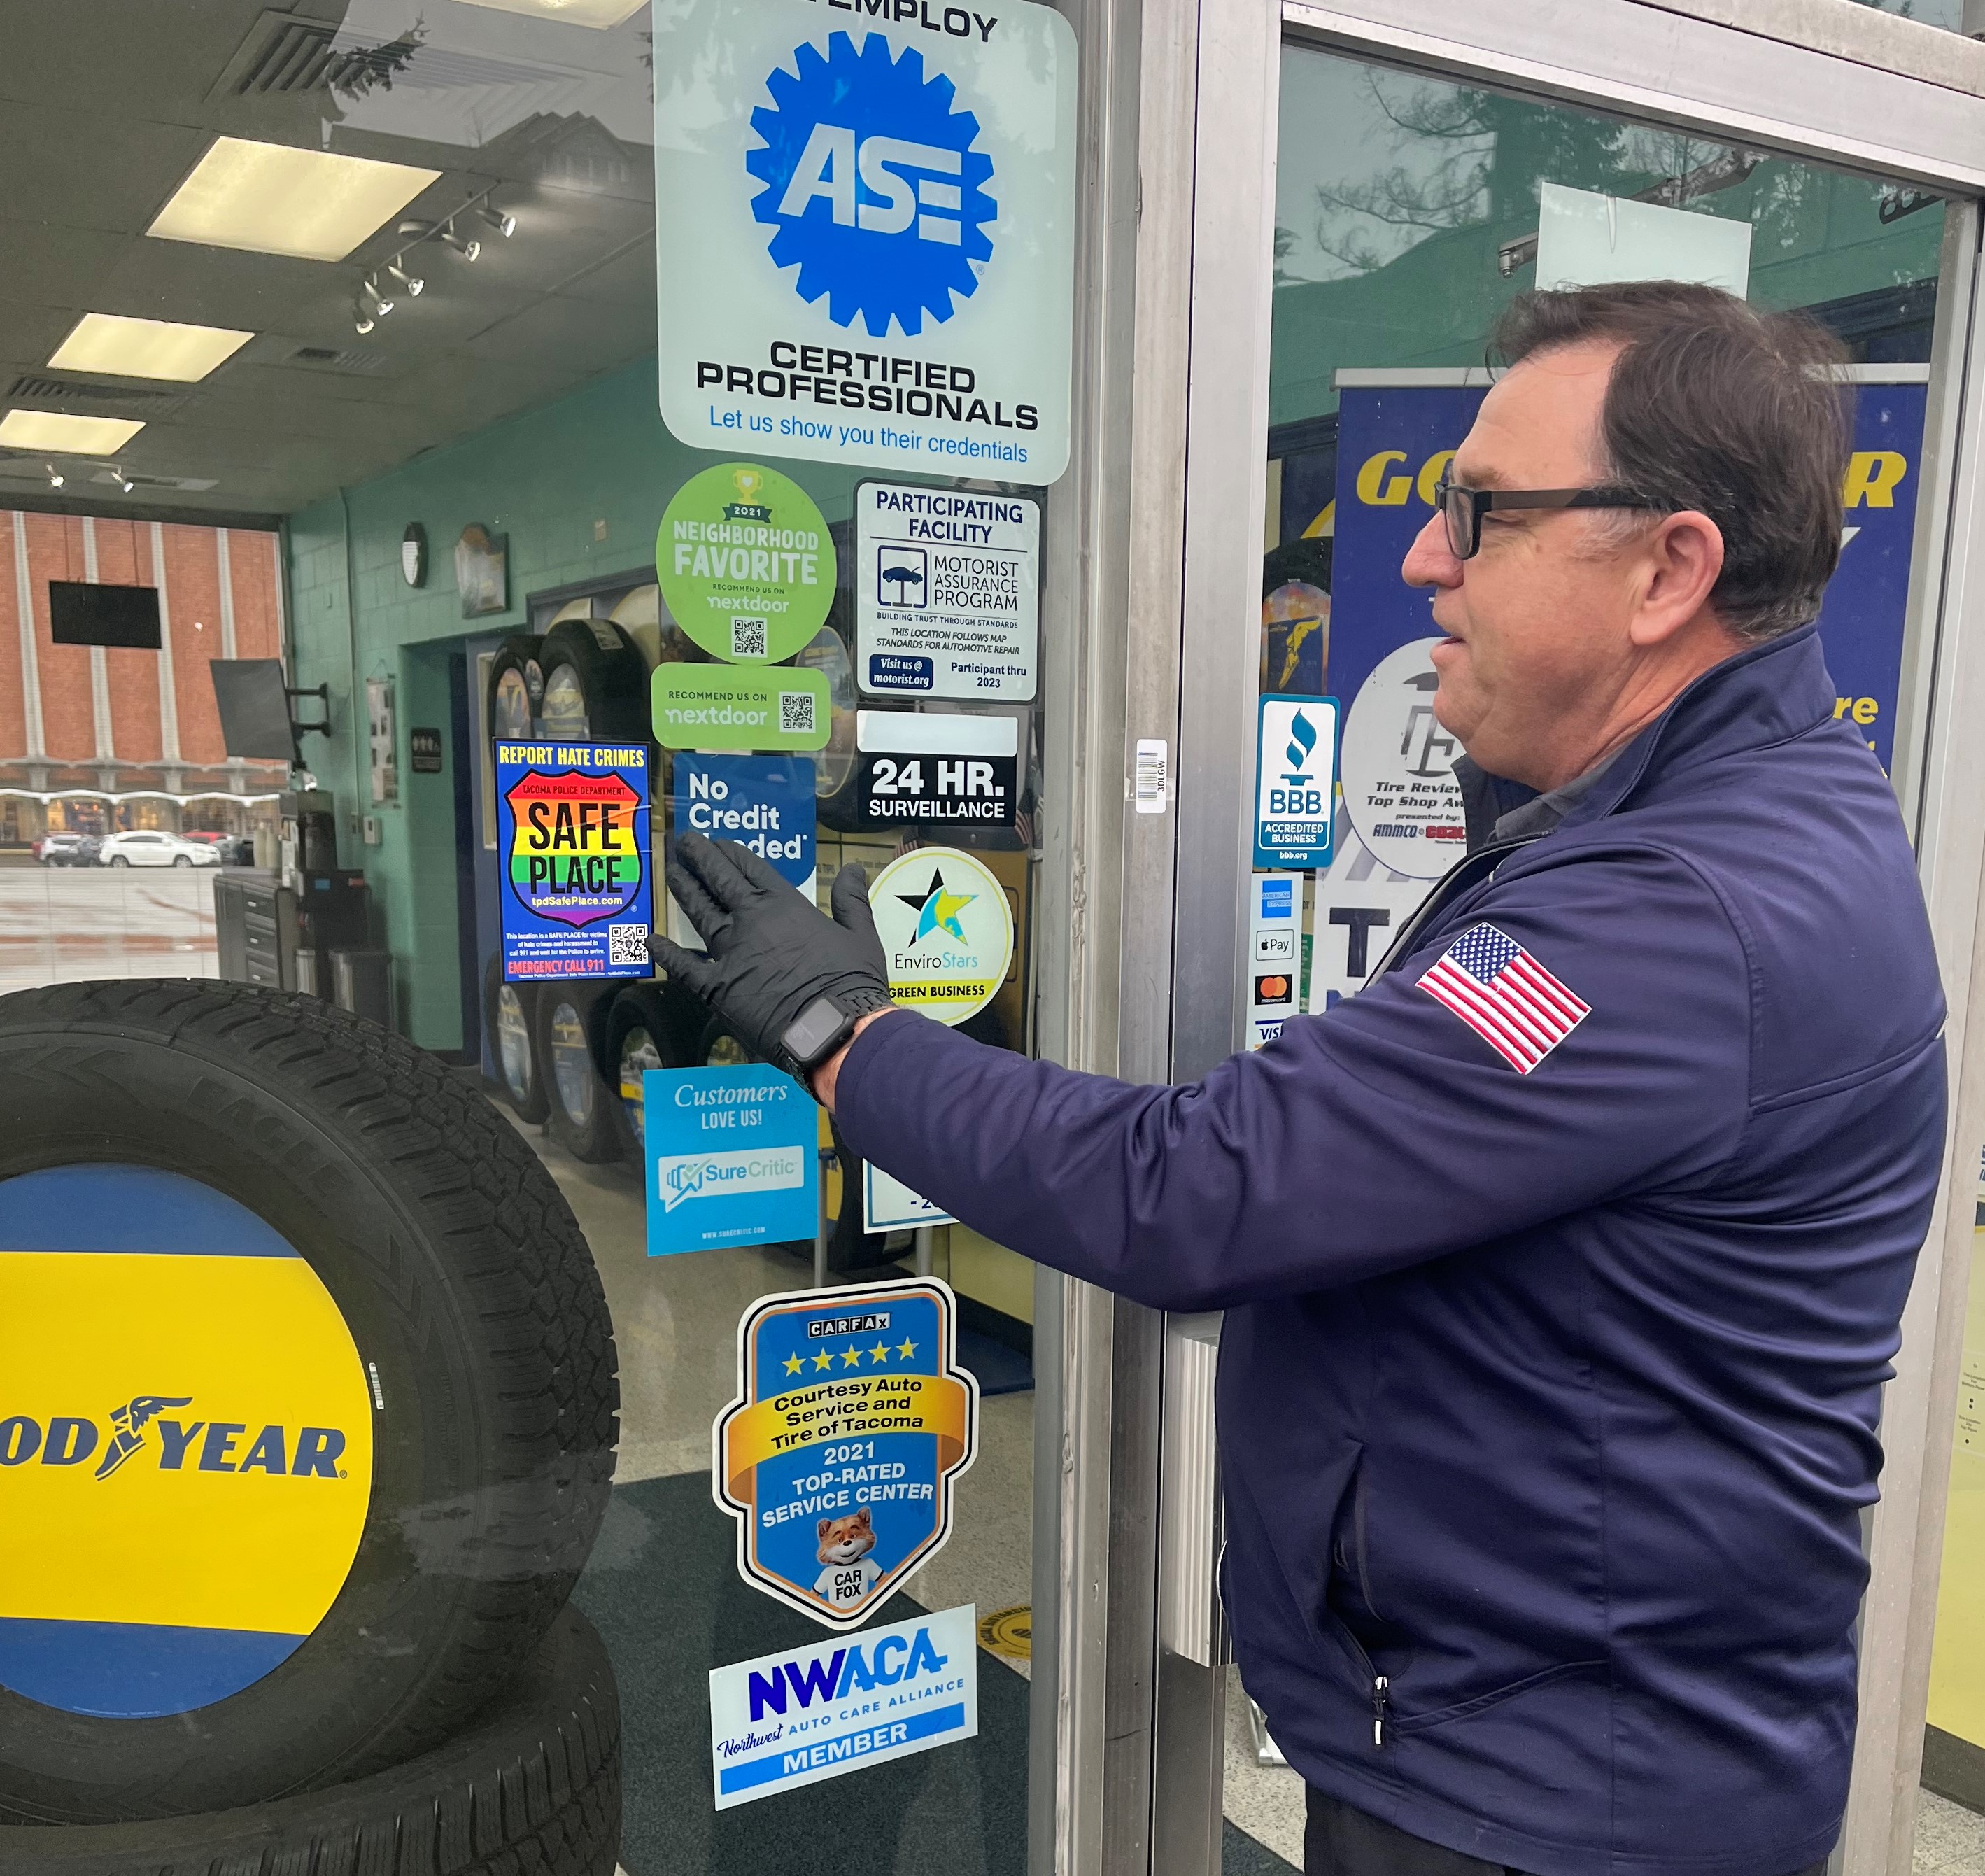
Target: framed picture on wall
[481,571]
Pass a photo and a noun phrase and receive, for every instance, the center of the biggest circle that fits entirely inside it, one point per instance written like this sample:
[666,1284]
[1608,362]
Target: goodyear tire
[649,1026]
[307,1402]
[508,1011]
[569,1023]
[532,1788]
[596,684]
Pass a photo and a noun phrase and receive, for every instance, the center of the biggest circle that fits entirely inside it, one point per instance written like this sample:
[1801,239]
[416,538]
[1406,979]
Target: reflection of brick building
[78,720]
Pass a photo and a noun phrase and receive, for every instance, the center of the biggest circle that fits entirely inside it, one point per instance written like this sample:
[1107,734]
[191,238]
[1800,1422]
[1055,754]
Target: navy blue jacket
[1547,1399]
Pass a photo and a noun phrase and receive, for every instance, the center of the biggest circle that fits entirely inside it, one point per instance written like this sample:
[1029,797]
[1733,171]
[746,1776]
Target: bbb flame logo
[1302,745]
[870,181]
[127,1426]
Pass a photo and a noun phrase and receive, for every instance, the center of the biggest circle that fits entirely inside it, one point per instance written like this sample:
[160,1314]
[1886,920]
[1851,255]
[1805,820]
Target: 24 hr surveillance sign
[879,196]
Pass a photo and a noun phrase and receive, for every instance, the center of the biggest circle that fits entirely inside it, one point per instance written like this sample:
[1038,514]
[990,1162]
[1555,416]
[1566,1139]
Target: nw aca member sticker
[572,836]
[852,1421]
[947,929]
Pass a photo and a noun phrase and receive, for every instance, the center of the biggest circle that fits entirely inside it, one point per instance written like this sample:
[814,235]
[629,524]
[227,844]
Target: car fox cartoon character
[851,1572]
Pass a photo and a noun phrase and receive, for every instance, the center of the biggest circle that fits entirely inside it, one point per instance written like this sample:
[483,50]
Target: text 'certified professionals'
[947,593]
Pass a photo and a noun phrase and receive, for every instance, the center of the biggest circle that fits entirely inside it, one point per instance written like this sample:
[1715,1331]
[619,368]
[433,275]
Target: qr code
[747,638]
[796,713]
[626,944]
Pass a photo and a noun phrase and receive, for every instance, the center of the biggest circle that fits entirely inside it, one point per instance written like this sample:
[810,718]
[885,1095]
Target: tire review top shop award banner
[881,216]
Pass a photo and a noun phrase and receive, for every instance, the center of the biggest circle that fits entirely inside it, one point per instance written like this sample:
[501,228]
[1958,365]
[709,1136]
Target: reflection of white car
[148,849]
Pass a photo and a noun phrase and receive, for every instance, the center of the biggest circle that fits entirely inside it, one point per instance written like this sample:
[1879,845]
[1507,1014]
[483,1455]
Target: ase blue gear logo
[872,185]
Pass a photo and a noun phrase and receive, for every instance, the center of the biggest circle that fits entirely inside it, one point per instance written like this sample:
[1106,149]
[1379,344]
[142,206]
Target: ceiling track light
[412,282]
[122,480]
[360,317]
[505,224]
[55,476]
[381,305]
[468,249]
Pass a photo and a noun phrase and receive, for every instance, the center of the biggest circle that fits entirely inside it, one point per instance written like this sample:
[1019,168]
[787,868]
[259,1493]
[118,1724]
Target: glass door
[1409,207]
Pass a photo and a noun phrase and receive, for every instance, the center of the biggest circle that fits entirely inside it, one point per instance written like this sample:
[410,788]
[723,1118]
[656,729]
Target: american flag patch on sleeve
[1505,996]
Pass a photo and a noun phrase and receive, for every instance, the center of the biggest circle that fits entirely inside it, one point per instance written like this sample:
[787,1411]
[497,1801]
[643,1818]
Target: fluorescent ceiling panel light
[147,347]
[573,12]
[275,199]
[69,436]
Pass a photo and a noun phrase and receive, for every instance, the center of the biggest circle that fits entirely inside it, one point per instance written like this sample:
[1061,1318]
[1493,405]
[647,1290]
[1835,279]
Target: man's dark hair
[1715,406]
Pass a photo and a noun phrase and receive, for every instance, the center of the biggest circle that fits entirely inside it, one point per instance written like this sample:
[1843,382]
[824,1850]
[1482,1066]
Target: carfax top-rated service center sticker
[880,202]
[852,1421]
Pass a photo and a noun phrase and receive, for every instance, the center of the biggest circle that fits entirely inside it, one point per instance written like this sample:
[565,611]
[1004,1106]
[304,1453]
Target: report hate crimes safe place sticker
[572,844]
[852,1423]
[881,201]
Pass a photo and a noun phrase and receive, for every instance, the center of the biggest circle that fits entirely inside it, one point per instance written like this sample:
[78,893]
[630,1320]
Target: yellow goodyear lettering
[1378,489]
[1872,479]
[1431,471]
[185,1441]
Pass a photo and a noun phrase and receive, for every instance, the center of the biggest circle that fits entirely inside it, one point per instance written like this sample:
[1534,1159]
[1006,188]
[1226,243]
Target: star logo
[879,1353]
[792,1364]
[852,1359]
[907,1349]
[823,1359]
[937,908]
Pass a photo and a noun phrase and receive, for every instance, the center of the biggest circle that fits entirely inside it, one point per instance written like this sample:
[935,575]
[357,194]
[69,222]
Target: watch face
[812,1029]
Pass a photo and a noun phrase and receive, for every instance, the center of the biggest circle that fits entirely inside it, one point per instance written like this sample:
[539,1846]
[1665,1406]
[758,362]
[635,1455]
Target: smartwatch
[824,1025]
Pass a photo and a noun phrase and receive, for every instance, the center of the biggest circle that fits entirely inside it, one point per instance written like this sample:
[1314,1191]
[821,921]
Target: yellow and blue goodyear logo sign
[186,1443]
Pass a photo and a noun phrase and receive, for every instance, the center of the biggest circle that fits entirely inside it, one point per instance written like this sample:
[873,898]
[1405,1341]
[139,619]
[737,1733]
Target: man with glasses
[1562,1265]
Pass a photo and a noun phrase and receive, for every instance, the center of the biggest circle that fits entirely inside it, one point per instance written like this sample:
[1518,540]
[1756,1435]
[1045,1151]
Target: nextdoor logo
[684,1176]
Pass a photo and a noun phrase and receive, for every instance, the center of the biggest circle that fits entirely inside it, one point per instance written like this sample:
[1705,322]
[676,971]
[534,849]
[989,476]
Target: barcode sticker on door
[1150,780]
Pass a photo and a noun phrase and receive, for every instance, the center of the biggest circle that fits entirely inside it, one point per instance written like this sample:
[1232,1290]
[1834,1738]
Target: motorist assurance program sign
[880,200]
[572,841]
[947,593]
[852,1421]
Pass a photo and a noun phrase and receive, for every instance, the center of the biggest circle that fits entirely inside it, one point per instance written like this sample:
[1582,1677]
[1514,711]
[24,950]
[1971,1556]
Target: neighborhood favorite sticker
[851,1421]
[947,929]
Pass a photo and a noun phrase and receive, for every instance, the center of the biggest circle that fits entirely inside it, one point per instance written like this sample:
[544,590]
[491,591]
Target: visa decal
[185,1443]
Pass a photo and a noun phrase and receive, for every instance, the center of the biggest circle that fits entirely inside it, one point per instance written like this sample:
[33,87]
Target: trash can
[362,982]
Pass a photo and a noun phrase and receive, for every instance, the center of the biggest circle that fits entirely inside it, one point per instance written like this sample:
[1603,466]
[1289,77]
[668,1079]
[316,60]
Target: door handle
[1189,1615]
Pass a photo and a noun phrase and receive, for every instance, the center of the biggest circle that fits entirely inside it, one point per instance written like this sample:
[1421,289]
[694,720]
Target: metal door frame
[1152,547]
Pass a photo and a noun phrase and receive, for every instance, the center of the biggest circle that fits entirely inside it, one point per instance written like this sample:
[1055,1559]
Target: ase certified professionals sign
[865,230]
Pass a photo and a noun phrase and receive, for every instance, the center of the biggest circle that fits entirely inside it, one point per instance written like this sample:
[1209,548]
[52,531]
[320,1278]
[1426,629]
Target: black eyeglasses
[1463,509]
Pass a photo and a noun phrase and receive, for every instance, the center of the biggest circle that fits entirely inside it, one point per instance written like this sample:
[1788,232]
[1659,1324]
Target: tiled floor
[62,924]
[1950,1841]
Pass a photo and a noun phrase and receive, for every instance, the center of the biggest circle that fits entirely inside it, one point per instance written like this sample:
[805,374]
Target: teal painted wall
[546,478]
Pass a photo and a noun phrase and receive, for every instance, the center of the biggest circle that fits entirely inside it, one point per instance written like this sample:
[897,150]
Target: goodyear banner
[837,1458]
[572,845]
[806,1714]
[185,1443]
[1400,822]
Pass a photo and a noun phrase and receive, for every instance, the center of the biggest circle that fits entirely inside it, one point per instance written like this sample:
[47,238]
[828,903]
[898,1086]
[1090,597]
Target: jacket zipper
[1381,1695]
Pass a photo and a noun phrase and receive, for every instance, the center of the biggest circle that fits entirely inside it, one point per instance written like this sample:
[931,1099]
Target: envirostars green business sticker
[947,929]
[746,563]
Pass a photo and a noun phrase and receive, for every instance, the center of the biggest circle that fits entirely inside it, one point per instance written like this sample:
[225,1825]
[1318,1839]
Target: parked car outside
[146,848]
[56,850]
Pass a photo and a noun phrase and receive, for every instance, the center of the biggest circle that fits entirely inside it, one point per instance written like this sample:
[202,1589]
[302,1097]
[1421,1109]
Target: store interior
[370,287]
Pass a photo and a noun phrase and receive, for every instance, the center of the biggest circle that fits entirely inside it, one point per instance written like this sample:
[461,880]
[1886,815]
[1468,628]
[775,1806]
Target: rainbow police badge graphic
[572,841]
[852,1421]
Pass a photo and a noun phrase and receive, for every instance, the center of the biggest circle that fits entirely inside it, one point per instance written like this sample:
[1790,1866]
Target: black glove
[771,954]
